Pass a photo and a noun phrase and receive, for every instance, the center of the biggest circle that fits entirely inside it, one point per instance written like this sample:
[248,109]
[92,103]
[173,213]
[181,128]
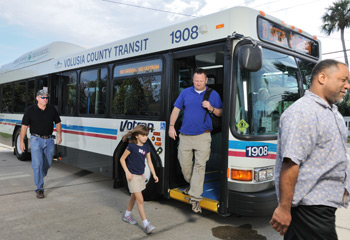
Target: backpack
[216,121]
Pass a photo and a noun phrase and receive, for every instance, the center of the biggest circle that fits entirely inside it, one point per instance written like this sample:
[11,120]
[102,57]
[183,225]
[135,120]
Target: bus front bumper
[252,204]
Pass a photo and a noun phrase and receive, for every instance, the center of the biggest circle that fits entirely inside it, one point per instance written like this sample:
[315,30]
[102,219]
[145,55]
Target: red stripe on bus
[11,124]
[90,134]
[242,154]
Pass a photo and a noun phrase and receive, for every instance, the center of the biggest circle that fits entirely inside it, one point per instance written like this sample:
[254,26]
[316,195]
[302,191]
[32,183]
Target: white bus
[103,92]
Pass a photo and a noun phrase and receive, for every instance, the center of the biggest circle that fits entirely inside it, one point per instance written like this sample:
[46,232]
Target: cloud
[84,22]
[183,7]
[31,24]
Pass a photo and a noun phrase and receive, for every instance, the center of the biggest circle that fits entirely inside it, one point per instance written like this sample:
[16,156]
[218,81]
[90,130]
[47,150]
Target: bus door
[50,84]
[211,59]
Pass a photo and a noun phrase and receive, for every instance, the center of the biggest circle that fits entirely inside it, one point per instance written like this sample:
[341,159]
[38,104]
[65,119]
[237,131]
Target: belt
[206,131]
[44,137]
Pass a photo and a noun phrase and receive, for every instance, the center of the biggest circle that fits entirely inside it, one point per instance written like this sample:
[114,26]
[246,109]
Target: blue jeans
[42,151]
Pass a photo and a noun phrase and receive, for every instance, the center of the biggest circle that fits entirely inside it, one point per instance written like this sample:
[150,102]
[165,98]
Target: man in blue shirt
[312,172]
[195,135]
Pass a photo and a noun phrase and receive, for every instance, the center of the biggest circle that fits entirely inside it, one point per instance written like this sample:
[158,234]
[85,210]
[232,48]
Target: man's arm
[173,117]
[281,217]
[23,134]
[59,133]
[217,112]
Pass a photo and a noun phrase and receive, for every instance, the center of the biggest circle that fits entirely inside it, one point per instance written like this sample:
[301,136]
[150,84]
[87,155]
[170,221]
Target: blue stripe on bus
[10,120]
[243,144]
[90,129]
[72,127]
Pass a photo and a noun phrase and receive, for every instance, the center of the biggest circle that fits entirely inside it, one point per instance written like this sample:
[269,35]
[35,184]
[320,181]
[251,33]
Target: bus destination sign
[277,34]
[138,68]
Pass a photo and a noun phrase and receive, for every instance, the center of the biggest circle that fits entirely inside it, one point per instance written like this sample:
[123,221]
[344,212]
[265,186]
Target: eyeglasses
[44,97]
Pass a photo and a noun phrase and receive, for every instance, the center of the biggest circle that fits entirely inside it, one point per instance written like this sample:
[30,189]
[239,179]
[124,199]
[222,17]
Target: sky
[26,25]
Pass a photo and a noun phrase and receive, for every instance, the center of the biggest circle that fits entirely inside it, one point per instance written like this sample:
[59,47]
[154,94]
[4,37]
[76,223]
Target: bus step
[206,203]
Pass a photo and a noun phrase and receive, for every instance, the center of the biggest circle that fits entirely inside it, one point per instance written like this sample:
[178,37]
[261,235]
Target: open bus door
[212,60]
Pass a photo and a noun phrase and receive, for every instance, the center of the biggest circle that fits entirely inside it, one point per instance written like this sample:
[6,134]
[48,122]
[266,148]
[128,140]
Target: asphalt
[82,205]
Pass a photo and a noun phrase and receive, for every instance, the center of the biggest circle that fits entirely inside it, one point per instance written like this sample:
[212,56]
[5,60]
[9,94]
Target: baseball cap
[42,93]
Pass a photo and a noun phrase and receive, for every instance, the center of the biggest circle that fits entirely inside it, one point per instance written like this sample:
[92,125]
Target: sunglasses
[44,97]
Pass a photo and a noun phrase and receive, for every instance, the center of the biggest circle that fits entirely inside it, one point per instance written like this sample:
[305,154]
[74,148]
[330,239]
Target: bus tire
[150,192]
[22,156]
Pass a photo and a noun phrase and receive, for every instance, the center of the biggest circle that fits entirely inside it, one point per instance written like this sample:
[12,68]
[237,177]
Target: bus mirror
[251,57]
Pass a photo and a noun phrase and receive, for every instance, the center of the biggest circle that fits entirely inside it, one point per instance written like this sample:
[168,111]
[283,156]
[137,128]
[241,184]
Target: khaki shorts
[137,183]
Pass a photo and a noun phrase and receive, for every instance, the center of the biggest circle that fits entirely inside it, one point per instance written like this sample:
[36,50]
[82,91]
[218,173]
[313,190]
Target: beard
[335,98]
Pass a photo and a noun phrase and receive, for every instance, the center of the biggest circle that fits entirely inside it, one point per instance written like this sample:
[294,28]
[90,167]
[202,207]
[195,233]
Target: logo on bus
[129,125]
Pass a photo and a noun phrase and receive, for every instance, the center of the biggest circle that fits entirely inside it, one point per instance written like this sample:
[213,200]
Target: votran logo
[129,125]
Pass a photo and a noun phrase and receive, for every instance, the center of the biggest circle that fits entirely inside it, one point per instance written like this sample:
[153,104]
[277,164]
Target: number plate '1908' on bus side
[256,151]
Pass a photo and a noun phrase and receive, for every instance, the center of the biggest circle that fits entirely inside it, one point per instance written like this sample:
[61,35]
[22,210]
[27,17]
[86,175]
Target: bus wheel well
[22,156]
[118,172]
[17,128]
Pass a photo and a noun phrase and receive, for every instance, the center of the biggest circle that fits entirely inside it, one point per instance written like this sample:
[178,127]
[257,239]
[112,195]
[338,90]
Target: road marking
[13,175]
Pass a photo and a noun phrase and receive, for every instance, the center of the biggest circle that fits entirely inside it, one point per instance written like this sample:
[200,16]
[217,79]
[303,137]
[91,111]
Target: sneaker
[129,219]
[149,228]
[40,194]
[196,206]
[186,190]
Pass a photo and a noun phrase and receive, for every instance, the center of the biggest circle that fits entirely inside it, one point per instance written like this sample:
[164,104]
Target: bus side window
[7,98]
[69,93]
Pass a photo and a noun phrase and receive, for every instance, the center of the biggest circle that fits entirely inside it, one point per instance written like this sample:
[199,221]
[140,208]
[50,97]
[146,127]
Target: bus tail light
[263,174]
[241,175]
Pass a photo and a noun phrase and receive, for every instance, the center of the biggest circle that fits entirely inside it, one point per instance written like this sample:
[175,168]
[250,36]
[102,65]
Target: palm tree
[337,17]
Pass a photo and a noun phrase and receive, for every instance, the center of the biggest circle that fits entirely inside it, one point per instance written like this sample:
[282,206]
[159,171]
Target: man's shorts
[137,183]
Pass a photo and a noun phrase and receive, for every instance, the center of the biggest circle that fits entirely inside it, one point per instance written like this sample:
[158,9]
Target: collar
[194,90]
[37,107]
[320,100]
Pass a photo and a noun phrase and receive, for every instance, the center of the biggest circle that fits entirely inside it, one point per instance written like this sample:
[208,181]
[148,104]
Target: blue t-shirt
[136,159]
[191,103]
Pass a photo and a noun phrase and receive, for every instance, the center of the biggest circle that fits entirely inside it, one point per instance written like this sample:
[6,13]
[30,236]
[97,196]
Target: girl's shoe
[129,219]
[149,228]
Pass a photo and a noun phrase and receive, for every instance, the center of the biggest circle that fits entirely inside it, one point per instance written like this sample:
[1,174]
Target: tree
[344,106]
[337,17]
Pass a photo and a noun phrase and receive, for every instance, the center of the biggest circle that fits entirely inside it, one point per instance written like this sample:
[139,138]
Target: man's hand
[172,132]
[207,105]
[22,146]
[58,139]
[281,219]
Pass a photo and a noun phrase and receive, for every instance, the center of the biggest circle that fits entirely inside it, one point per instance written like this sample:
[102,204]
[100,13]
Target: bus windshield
[262,96]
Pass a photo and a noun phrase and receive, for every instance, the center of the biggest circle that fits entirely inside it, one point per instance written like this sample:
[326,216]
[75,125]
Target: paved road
[83,205]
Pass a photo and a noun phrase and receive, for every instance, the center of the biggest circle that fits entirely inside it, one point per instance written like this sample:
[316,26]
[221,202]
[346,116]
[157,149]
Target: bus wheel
[150,191]
[22,156]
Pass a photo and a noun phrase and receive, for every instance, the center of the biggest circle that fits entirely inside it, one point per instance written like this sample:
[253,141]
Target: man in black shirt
[40,118]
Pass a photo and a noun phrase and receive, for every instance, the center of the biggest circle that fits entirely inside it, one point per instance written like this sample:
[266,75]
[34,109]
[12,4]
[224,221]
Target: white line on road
[13,175]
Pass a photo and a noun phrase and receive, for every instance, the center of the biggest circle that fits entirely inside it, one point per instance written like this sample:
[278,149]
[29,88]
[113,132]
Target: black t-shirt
[136,159]
[41,121]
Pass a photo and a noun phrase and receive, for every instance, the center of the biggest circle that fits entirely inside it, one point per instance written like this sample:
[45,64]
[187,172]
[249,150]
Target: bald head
[325,65]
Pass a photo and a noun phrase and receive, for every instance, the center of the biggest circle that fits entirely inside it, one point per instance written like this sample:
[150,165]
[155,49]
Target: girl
[136,152]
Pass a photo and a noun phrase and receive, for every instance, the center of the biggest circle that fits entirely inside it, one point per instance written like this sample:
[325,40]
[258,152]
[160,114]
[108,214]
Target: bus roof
[61,56]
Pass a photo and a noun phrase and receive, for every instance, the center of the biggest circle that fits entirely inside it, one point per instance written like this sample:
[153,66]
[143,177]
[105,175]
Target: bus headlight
[263,174]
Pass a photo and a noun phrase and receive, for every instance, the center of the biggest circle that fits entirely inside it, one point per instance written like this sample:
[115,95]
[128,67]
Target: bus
[103,92]
[347,124]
